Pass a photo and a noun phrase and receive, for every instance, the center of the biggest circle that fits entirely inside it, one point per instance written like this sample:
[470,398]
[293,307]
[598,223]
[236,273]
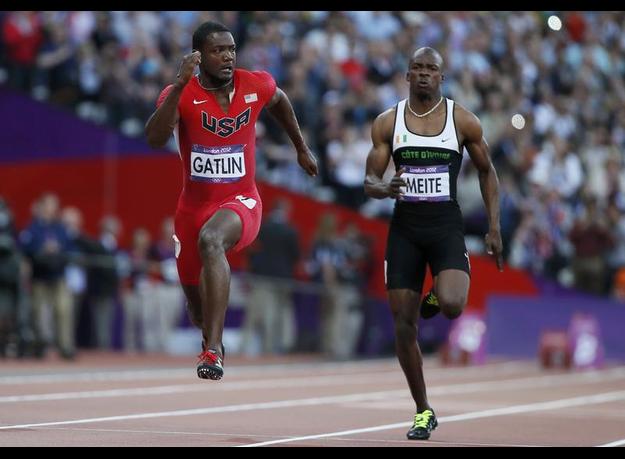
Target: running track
[122,400]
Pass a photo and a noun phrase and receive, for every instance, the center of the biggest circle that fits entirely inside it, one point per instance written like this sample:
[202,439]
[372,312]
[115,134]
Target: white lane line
[613,443]
[589,377]
[242,370]
[222,409]
[172,373]
[316,381]
[445,443]
[160,432]
[239,435]
[368,396]
[124,375]
[516,409]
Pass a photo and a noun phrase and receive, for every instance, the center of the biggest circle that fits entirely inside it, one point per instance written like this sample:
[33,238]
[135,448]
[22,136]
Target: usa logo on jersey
[226,126]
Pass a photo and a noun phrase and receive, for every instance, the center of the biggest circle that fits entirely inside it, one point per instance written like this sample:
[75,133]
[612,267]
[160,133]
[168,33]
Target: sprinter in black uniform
[425,135]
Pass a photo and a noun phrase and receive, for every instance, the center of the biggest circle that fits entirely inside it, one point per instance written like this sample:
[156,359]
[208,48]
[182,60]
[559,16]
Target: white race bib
[223,164]
[427,183]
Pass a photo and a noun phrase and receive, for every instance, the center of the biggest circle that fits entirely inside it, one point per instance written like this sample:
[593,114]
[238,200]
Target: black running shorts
[409,251]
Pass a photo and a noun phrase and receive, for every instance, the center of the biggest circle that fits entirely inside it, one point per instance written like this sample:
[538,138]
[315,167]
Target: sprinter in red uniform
[212,116]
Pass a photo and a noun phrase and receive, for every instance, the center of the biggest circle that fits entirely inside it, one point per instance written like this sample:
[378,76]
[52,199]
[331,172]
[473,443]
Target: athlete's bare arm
[281,109]
[470,129]
[161,124]
[378,159]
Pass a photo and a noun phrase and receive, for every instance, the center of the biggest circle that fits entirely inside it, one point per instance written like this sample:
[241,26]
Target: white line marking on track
[324,381]
[526,408]
[239,434]
[316,381]
[152,432]
[242,370]
[220,409]
[613,443]
[455,388]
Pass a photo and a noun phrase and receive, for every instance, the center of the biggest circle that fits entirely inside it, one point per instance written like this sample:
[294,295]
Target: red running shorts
[188,223]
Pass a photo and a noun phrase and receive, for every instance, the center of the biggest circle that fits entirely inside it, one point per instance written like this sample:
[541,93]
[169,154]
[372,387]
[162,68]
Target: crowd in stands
[562,175]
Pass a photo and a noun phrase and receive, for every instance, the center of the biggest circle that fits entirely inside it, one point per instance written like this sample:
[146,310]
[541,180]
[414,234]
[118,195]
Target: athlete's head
[217,46]
[425,71]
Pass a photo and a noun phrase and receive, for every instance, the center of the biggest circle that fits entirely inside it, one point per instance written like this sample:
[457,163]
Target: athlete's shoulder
[387,117]
[464,116]
[383,125]
[388,114]
[255,76]
[260,81]
[467,123]
[183,96]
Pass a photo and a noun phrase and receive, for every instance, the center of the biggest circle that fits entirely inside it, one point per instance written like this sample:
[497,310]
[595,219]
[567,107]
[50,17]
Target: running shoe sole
[210,372]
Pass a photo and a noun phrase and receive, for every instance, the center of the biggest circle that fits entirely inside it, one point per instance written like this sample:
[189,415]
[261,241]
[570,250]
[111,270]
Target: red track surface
[121,400]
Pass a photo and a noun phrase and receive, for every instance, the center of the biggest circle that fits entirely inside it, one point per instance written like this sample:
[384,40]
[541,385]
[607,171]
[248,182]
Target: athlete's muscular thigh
[449,262]
[452,290]
[404,262]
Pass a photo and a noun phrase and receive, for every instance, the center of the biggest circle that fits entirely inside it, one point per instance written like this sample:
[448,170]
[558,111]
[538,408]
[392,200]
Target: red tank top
[217,149]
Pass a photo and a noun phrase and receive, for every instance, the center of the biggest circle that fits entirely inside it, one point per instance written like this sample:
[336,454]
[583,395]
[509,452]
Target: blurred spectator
[139,313]
[79,244]
[103,274]
[510,213]
[22,35]
[616,258]
[269,313]
[531,244]
[355,275]
[46,245]
[471,203]
[9,283]
[376,25]
[592,239]
[557,167]
[321,266]
[340,302]
[166,302]
[57,65]
[347,158]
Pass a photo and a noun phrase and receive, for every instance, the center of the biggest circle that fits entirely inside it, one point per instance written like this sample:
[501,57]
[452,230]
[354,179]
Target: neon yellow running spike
[422,419]
[429,305]
[431,299]
[424,423]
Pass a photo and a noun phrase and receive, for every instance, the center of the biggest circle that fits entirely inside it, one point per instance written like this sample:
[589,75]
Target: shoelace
[422,419]
[431,299]
[209,357]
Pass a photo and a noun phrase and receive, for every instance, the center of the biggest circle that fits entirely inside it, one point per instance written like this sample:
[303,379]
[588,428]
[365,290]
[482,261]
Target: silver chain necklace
[212,89]
[426,113]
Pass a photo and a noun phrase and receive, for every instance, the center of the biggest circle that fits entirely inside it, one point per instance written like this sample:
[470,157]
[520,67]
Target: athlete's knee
[210,243]
[451,304]
[405,329]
